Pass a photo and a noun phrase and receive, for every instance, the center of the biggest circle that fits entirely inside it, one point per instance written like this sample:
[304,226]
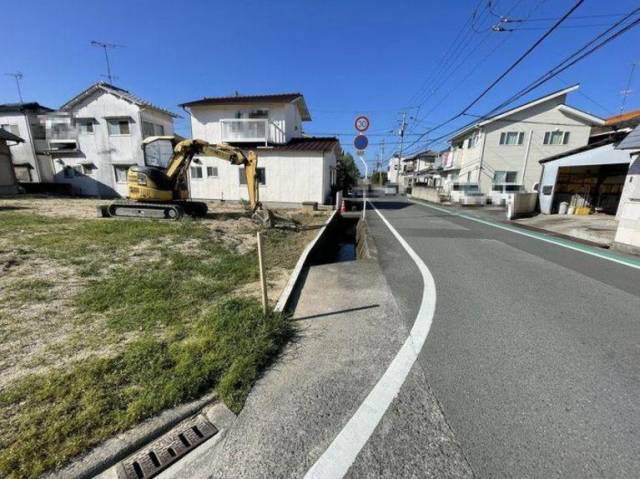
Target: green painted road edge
[626,261]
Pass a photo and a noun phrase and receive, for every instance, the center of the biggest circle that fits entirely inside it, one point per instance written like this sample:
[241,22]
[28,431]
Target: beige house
[8,182]
[500,154]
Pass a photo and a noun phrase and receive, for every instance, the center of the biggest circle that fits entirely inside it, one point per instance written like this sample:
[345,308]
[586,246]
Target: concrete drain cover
[163,452]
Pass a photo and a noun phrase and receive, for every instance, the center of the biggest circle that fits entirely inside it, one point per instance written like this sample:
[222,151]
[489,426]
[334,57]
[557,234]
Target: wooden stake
[263,279]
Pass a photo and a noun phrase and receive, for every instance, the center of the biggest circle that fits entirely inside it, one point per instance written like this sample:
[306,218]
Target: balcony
[248,130]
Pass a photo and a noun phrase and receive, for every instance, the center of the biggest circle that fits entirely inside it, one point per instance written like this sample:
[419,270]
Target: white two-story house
[501,154]
[96,136]
[30,162]
[293,168]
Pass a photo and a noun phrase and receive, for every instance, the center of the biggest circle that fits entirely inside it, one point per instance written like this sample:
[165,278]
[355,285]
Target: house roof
[421,154]
[632,141]
[298,98]
[7,136]
[117,91]
[20,107]
[305,143]
[550,96]
[629,115]
[612,138]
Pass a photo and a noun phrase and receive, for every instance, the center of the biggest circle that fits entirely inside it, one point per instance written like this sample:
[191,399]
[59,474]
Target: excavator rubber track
[171,211]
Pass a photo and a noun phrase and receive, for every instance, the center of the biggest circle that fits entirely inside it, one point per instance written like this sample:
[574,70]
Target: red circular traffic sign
[362,123]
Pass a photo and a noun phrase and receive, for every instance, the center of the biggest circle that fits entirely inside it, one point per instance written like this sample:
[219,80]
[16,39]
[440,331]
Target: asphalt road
[534,349]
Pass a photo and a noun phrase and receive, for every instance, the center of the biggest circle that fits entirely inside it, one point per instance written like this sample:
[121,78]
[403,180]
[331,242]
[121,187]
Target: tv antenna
[18,78]
[627,91]
[106,47]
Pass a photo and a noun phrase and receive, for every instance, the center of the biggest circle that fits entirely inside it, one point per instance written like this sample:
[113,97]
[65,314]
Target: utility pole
[403,125]
[18,78]
[627,91]
[105,47]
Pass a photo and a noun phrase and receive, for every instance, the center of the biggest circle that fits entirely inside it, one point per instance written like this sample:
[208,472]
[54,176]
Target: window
[556,137]
[118,127]
[151,129]
[212,171]
[262,178]
[87,169]
[512,138]
[121,173]
[196,172]
[86,126]
[473,140]
[11,129]
[38,131]
[503,177]
[259,114]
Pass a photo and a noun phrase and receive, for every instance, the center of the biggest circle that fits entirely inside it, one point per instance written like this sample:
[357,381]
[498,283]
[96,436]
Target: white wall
[104,150]
[291,177]
[285,121]
[628,233]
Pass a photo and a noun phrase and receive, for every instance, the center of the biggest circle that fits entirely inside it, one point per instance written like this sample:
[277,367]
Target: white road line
[342,452]
[538,236]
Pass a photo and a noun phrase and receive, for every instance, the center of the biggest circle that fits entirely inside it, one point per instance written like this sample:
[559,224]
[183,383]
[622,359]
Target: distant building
[96,136]
[501,154]
[30,161]
[8,181]
[292,167]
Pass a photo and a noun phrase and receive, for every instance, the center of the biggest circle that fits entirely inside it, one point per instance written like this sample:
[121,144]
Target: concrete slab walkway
[349,330]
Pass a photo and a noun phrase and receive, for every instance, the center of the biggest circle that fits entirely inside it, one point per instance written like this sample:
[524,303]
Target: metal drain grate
[163,452]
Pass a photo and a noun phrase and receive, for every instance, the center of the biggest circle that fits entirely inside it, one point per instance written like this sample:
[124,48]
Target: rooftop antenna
[18,78]
[627,91]
[106,47]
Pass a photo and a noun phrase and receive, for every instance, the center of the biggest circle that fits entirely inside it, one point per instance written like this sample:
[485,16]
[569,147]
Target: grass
[167,295]
[61,414]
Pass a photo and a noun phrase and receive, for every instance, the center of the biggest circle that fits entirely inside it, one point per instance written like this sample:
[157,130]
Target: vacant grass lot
[104,323]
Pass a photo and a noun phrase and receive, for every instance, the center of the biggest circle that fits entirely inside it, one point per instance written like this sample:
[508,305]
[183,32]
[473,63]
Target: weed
[62,413]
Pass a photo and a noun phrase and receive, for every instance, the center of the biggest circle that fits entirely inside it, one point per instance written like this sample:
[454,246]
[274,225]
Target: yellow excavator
[160,189]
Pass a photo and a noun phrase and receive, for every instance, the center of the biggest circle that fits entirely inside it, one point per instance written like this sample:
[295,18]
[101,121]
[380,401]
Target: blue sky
[344,56]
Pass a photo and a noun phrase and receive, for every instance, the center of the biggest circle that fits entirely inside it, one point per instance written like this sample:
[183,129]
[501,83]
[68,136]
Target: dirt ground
[39,325]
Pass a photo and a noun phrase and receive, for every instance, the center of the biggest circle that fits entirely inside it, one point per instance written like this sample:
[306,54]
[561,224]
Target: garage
[589,179]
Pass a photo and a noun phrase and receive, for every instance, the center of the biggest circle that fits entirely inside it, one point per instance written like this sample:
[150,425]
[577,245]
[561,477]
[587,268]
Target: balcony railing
[245,130]
[61,131]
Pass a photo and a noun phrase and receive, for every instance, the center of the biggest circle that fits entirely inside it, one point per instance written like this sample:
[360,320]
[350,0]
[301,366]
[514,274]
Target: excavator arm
[185,150]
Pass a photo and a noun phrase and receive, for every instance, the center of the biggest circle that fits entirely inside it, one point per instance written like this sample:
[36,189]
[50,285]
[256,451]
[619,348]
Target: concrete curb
[117,448]
[287,292]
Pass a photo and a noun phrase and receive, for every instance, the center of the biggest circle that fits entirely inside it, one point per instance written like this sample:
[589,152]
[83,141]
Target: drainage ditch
[346,239]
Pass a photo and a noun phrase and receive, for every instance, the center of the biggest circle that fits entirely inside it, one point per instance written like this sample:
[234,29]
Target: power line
[563,65]
[506,72]
[574,58]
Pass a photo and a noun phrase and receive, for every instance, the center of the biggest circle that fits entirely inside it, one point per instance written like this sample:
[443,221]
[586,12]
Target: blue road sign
[360,142]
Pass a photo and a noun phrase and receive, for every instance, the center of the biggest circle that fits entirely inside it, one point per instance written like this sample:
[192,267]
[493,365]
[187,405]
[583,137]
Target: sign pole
[360,142]
[365,186]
